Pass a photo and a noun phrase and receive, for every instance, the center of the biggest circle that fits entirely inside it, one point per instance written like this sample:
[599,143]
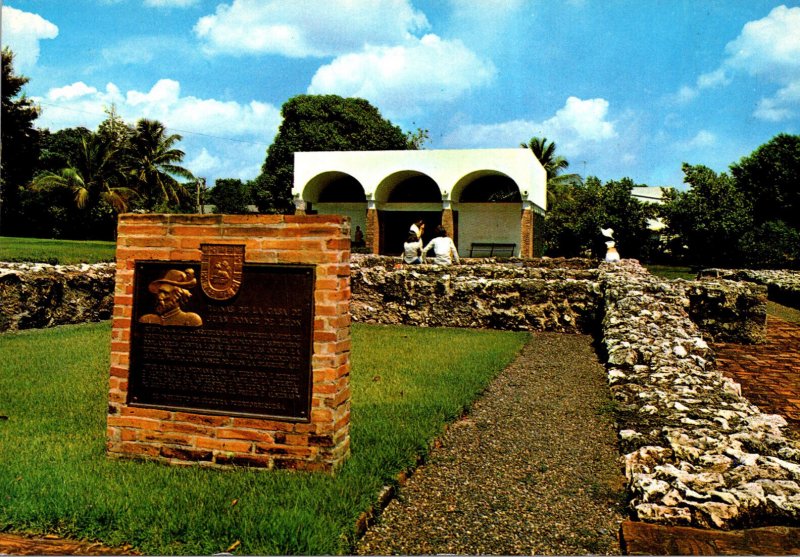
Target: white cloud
[782,106]
[577,127]
[401,79]
[303,28]
[234,135]
[713,79]
[769,46]
[768,49]
[703,139]
[204,163]
[22,32]
[170,3]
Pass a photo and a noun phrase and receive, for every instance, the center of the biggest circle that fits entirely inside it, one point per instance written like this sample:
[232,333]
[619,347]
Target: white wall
[356,211]
[488,222]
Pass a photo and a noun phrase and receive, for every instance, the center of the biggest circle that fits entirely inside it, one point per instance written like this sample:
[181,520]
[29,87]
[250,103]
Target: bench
[478,249]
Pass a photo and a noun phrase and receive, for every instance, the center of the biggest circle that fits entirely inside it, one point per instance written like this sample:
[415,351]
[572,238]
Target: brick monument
[231,341]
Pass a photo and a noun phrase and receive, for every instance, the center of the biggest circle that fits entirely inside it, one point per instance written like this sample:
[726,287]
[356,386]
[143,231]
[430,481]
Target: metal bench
[488,249]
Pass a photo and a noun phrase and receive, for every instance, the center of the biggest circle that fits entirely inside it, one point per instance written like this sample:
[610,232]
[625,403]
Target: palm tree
[154,161]
[94,176]
[558,184]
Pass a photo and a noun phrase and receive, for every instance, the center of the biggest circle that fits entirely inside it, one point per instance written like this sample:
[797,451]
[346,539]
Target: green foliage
[773,244]
[64,252]
[319,123]
[707,221]
[60,480]
[230,196]
[558,183]
[152,162]
[572,226]
[20,140]
[768,178]
[61,147]
[97,183]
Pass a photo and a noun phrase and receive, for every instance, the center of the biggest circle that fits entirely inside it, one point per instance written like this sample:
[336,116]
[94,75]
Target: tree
[320,123]
[153,163]
[20,142]
[769,178]
[96,180]
[558,184]
[114,130]
[231,196]
[572,226]
[707,221]
[57,149]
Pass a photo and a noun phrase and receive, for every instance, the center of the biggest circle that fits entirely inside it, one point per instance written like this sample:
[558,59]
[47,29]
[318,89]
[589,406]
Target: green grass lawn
[671,271]
[407,384]
[64,252]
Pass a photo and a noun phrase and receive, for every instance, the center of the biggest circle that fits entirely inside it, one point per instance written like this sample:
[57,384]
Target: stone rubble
[783,285]
[695,451]
[38,295]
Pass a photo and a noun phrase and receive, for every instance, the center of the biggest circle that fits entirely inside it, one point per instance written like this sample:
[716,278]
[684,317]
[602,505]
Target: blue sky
[625,88]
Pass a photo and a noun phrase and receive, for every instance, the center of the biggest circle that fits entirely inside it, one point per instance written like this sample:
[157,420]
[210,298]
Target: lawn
[64,252]
[407,384]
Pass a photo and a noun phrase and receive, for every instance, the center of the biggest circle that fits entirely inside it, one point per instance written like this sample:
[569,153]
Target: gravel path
[532,469]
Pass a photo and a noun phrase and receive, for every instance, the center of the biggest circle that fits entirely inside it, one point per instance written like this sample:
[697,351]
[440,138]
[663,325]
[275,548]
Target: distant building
[651,194]
[495,196]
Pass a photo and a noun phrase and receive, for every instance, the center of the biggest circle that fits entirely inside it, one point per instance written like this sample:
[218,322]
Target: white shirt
[443,248]
[411,251]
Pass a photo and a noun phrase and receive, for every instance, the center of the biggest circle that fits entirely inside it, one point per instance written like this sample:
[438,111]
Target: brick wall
[180,437]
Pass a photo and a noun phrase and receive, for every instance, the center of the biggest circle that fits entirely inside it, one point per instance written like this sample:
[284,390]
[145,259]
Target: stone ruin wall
[36,295]
[562,295]
[783,285]
[696,453]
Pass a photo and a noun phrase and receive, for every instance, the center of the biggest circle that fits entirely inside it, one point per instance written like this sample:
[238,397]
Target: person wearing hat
[171,295]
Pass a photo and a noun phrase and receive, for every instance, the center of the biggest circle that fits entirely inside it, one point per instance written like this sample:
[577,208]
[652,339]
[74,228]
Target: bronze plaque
[247,355]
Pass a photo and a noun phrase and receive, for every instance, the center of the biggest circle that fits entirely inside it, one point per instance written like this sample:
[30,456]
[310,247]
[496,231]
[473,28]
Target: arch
[334,186]
[486,186]
[489,204]
[408,186]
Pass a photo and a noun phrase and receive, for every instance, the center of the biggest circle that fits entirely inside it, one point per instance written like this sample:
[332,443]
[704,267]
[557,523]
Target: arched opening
[489,205]
[403,198]
[495,188]
[337,193]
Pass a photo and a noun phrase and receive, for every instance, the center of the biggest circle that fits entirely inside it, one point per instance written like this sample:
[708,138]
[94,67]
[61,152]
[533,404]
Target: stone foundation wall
[482,294]
[36,295]
[561,295]
[695,451]
[783,285]
[517,294]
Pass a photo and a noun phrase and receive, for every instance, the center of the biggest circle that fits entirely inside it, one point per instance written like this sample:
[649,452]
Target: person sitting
[412,250]
[417,228]
[444,249]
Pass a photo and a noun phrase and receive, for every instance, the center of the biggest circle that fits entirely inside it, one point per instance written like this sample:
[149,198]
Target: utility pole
[201,185]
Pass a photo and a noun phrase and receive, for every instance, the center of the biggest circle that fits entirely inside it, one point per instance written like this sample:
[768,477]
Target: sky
[625,88]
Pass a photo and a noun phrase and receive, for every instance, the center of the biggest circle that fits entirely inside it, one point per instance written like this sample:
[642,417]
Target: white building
[480,196]
[651,194]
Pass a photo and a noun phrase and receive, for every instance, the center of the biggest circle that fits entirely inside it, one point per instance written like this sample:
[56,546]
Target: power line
[93,113]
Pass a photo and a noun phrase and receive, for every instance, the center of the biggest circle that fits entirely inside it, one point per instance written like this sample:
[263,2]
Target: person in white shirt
[412,250]
[417,228]
[444,250]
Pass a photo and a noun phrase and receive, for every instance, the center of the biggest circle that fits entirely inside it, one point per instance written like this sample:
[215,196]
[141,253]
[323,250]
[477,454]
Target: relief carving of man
[172,293]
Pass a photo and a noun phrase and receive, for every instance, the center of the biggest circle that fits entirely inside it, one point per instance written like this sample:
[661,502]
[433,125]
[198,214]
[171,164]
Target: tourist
[444,249]
[417,228]
[412,250]
[358,241]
